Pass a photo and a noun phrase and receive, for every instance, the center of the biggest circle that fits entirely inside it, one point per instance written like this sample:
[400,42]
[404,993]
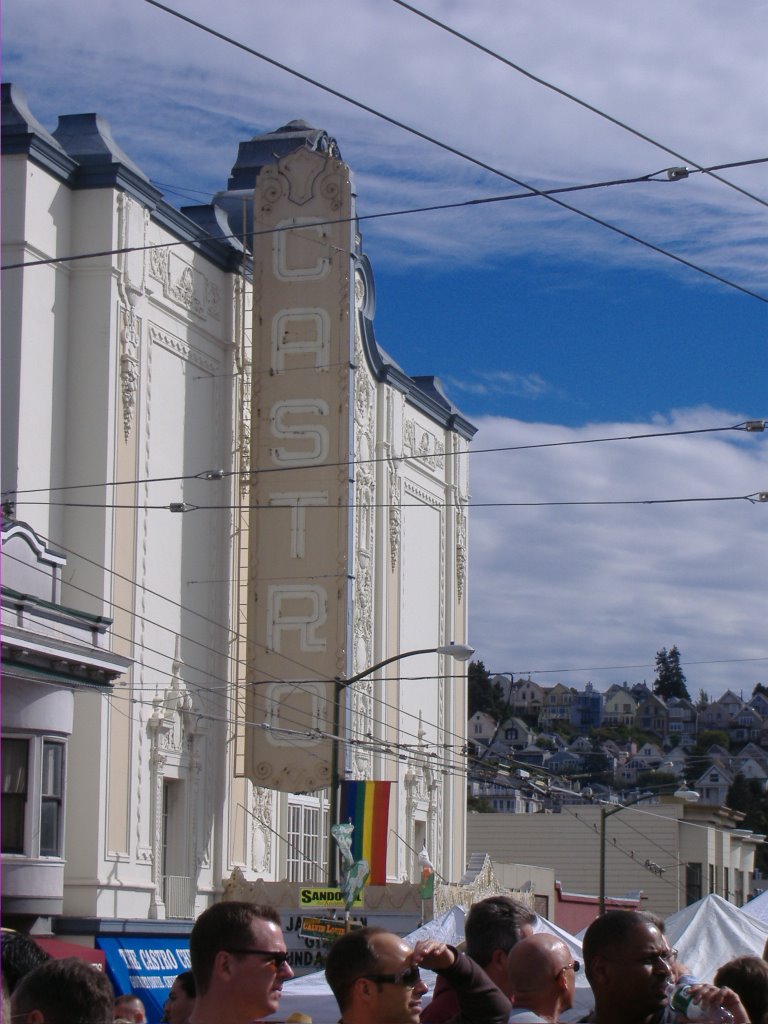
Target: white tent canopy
[757,908]
[711,932]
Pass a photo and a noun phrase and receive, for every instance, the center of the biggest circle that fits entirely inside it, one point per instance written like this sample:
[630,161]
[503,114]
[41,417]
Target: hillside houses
[552,728]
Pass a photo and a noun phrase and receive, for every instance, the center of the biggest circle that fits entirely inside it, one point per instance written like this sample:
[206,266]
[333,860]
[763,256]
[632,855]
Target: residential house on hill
[652,716]
[718,713]
[619,707]
[527,698]
[587,709]
[481,728]
[713,784]
[683,719]
[746,725]
[557,705]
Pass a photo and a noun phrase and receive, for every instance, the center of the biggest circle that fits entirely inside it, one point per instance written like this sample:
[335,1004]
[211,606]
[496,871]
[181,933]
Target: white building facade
[130,441]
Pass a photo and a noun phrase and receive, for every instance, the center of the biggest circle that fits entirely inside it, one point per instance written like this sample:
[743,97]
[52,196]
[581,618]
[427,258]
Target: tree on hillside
[703,702]
[708,738]
[760,688]
[670,681]
[746,795]
[483,694]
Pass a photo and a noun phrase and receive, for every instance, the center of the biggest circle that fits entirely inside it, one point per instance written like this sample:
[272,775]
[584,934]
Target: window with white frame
[307,820]
[33,796]
[51,796]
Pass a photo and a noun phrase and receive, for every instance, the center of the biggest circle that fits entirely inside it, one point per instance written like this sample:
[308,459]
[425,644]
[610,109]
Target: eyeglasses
[407,978]
[277,958]
[575,967]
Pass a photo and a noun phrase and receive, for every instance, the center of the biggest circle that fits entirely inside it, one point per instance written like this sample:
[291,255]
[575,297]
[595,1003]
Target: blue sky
[540,323]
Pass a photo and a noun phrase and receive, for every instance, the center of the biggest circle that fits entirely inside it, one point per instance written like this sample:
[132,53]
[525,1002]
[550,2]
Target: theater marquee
[301,485]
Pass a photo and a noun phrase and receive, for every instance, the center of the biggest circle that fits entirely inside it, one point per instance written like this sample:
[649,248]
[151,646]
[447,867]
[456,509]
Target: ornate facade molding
[130,335]
[423,446]
[180,347]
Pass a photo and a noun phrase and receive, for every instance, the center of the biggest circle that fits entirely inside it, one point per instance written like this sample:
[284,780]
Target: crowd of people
[507,972]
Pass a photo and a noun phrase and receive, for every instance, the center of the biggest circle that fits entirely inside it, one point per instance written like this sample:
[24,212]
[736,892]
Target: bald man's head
[542,972]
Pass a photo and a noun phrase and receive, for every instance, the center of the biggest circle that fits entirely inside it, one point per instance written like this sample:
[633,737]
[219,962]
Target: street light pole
[461,652]
[683,793]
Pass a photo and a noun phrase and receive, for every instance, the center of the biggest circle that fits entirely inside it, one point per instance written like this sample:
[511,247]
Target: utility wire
[530,193]
[754,498]
[446,147]
[580,102]
[749,426]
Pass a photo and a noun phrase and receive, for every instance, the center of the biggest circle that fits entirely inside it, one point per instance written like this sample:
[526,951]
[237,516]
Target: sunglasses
[271,957]
[575,967]
[407,978]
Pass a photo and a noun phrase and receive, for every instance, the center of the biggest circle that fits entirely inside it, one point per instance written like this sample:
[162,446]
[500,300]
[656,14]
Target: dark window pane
[14,771]
[15,757]
[50,812]
[53,763]
[13,824]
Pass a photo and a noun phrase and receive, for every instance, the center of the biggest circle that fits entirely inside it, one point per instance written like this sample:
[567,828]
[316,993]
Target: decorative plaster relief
[461,548]
[300,177]
[130,336]
[395,519]
[184,285]
[261,829]
[423,445]
[182,348]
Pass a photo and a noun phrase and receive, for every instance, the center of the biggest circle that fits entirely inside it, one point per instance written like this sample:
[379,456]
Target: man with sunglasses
[542,977]
[374,975]
[239,962]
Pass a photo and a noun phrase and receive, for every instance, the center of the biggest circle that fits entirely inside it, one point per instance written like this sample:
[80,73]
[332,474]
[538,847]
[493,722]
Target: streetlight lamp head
[461,652]
[689,795]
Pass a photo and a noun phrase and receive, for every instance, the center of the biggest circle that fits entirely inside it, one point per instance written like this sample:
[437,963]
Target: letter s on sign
[314,435]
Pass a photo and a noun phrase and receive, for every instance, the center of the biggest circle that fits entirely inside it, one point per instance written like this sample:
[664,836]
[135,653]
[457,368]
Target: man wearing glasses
[629,966]
[542,977]
[374,975]
[239,963]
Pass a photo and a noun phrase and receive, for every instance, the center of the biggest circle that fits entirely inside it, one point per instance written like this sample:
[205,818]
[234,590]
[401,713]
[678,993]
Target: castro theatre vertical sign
[300,444]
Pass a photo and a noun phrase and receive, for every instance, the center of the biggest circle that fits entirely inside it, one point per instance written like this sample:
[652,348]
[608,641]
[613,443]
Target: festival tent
[711,932]
[757,908]
[311,995]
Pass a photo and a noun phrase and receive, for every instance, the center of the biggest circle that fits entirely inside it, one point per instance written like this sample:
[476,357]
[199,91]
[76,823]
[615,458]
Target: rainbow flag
[366,805]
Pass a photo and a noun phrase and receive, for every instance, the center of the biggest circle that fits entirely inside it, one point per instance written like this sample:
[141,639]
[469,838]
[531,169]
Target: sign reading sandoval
[301,442]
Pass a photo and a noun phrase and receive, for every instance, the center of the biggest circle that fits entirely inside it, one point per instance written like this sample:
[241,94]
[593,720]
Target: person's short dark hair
[609,931]
[748,977]
[186,981]
[349,958]
[495,923]
[132,1001]
[225,925]
[20,954]
[64,991]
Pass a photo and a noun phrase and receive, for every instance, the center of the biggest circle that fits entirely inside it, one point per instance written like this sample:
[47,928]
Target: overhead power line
[747,426]
[446,147]
[756,497]
[582,103]
[666,175]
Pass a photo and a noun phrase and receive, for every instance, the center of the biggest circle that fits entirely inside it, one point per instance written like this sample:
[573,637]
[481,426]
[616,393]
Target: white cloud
[581,587]
[180,101]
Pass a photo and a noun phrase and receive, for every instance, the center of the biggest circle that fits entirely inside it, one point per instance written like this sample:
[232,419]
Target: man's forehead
[646,937]
[266,932]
